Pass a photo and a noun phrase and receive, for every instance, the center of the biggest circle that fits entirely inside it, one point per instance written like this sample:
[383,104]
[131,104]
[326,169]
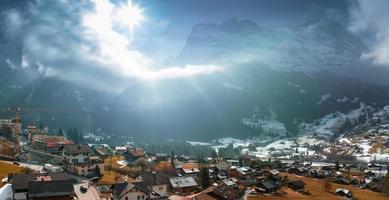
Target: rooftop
[51,140]
[21,181]
[181,182]
[76,148]
[154,178]
[191,170]
[50,188]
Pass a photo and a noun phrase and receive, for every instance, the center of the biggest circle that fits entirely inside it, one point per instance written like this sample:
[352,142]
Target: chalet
[241,172]
[190,172]
[248,182]
[301,171]
[183,158]
[297,185]
[267,186]
[119,150]
[50,144]
[75,153]
[270,173]
[183,185]
[134,191]
[60,190]
[89,167]
[223,192]
[21,182]
[232,162]
[101,152]
[342,180]
[134,154]
[79,159]
[222,174]
[156,181]
[223,165]
[230,181]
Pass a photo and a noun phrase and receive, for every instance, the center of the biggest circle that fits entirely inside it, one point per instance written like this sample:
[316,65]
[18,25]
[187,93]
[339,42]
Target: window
[160,188]
[126,198]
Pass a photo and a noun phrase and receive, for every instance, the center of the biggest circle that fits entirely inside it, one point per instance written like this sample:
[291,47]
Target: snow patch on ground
[342,100]
[323,98]
[268,126]
[195,143]
[355,100]
[326,126]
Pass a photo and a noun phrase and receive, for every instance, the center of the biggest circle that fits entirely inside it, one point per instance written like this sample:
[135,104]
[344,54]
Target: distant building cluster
[10,128]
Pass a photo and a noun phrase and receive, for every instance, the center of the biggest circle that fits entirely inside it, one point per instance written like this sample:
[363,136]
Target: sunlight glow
[129,15]
[115,50]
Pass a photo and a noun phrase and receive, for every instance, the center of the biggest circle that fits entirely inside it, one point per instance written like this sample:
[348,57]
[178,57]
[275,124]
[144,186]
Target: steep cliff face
[314,46]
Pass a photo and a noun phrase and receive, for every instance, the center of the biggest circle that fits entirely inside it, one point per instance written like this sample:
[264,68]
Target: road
[35,167]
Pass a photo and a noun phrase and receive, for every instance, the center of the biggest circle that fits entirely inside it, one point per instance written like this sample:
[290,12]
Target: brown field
[315,187]
[7,168]
[113,172]
[109,177]
[377,146]
[6,149]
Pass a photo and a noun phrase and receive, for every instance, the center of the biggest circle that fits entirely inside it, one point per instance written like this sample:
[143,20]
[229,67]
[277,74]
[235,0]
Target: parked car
[83,189]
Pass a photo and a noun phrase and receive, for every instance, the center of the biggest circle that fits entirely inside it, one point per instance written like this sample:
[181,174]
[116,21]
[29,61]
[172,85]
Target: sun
[129,15]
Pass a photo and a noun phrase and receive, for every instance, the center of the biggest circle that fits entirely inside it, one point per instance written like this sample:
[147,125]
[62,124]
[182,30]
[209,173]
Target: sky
[119,40]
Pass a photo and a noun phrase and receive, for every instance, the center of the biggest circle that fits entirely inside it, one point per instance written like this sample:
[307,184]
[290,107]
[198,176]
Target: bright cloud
[91,42]
[372,17]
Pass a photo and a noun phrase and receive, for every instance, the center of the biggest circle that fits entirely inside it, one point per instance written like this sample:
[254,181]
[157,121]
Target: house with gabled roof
[183,185]
[61,190]
[135,191]
[157,181]
[21,183]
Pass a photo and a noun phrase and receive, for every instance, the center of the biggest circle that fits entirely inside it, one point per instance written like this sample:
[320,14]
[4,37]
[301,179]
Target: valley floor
[315,187]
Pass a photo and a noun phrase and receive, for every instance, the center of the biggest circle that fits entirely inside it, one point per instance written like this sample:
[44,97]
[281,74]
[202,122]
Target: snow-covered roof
[180,182]
[6,191]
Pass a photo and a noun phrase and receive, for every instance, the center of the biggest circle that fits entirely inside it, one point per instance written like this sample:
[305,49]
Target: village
[39,165]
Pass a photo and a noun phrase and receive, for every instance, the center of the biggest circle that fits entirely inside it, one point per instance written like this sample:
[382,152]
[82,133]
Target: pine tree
[386,185]
[69,134]
[204,177]
[172,159]
[214,156]
[41,126]
[75,135]
[97,171]
[337,165]
[60,132]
